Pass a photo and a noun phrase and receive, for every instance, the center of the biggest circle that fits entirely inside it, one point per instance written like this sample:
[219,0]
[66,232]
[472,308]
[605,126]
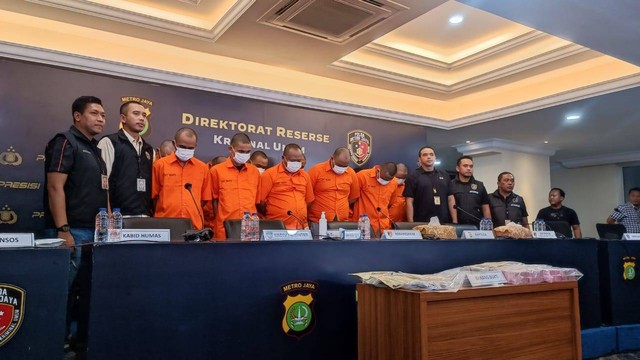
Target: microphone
[393,224]
[466,212]
[204,234]
[302,224]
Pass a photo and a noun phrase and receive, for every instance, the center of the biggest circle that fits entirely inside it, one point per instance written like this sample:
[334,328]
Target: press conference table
[224,300]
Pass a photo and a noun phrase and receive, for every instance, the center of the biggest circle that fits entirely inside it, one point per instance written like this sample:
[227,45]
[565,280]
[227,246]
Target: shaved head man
[377,193]
[335,186]
[260,160]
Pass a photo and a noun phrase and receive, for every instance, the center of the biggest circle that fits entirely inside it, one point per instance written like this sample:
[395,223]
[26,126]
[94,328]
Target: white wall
[530,171]
[592,192]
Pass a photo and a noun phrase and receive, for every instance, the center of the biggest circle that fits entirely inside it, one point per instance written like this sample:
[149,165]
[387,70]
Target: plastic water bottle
[489,224]
[115,225]
[539,225]
[322,225]
[245,227]
[364,225]
[102,226]
[255,225]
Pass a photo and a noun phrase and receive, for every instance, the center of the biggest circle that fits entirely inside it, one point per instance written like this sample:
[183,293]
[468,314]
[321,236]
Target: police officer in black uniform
[470,194]
[129,159]
[505,204]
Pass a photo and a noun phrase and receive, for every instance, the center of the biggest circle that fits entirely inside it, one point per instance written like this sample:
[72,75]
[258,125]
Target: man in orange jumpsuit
[285,190]
[176,176]
[335,186]
[398,210]
[377,193]
[234,185]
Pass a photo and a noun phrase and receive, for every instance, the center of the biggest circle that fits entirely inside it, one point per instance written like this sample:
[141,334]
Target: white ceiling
[538,59]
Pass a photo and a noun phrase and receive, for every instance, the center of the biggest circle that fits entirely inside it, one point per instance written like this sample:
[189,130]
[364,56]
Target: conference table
[228,300]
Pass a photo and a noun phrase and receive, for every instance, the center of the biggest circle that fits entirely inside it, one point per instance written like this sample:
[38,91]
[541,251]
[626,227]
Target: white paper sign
[158,235]
[350,234]
[631,236]
[401,235]
[477,234]
[277,235]
[544,235]
[11,240]
[484,278]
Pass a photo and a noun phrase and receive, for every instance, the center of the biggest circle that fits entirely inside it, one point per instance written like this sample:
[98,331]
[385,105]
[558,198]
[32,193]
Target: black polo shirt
[425,187]
[561,214]
[470,196]
[512,208]
[73,154]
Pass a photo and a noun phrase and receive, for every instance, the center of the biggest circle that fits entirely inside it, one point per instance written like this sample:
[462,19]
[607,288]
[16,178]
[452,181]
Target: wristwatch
[64,228]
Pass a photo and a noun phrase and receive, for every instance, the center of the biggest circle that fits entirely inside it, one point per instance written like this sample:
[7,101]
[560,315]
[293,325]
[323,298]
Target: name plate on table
[11,240]
[158,235]
[277,235]
[401,235]
[485,278]
[477,234]
[631,236]
[544,235]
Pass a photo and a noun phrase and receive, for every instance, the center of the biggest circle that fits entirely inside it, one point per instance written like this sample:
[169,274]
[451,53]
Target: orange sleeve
[156,175]
[354,193]
[266,183]
[308,196]
[206,186]
[213,179]
[394,194]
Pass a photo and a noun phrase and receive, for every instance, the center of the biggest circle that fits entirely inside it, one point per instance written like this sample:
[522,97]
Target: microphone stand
[201,235]
[393,224]
[302,225]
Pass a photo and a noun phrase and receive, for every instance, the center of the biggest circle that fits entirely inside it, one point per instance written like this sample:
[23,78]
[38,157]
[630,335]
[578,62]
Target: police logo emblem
[8,216]
[10,157]
[474,186]
[12,300]
[515,200]
[299,316]
[629,266]
[359,142]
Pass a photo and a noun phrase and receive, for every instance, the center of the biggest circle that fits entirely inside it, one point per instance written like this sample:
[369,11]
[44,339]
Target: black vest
[469,198]
[84,195]
[127,168]
[512,208]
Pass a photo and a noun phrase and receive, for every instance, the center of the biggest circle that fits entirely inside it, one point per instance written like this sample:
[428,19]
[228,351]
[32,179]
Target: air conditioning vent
[333,20]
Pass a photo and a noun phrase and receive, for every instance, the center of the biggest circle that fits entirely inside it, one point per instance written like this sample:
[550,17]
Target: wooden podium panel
[523,322]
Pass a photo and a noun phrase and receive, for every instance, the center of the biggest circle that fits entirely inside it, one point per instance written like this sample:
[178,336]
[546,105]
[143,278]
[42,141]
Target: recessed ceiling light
[468,141]
[573,117]
[456,19]
[437,163]
[546,141]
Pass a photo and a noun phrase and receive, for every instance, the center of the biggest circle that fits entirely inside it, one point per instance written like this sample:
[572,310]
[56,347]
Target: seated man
[628,214]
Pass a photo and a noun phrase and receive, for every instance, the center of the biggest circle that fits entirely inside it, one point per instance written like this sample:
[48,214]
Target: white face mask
[294,166]
[383,181]
[339,169]
[241,158]
[401,181]
[261,170]
[184,154]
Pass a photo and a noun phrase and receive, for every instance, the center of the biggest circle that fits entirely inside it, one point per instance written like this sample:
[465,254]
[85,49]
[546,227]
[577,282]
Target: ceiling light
[573,117]
[468,141]
[546,141]
[437,163]
[456,19]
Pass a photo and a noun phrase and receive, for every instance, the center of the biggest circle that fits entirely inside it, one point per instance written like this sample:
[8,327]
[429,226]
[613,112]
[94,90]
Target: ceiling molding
[502,72]
[584,92]
[78,62]
[606,159]
[460,62]
[151,22]
[94,65]
[496,146]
